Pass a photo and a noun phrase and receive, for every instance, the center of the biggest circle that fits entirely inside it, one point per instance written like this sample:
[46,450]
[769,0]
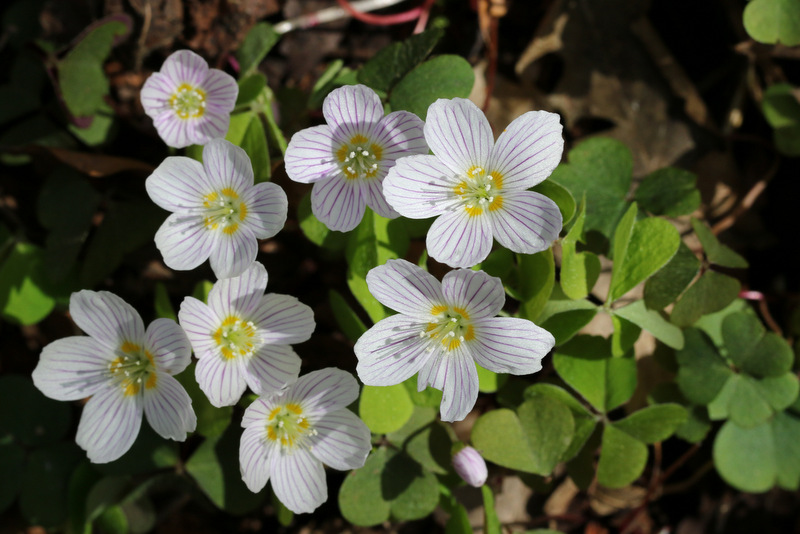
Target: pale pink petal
[372,191]
[212,125]
[352,110]
[221,90]
[405,287]
[399,135]
[310,155]
[168,408]
[509,345]
[106,317]
[419,187]
[458,239]
[178,184]
[175,131]
[221,380]
[479,294]
[271,369]
[267,207]
[527,222]
[342,440]
[298,480]
[528,150]
[324,391]
[184,66]
[458,134]
[455,374]
[72,368]
[254,458]
[233,253]
[110,423]
[155,94]
[241,294]
[470,466]
[283,320]
[338,202]
[184,241]
[227,166]
[199,322]
[169,346]
[392,351]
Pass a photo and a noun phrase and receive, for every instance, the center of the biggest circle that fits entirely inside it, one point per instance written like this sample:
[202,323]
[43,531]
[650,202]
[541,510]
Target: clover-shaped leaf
[773,21]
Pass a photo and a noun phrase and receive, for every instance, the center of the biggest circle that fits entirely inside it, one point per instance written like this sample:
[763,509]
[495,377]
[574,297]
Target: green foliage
[352,326]
[257,43]
[579,270]
[425,440]
[584,421]
[316,231]
[652,321]
[12,465]
[250,88]
[716,252]
[385,408]
[43,498]
[491,523]
[488,381]
[773,21]
[712,292]
[390,64]
[563,317]
[211,421]
[536,275]
[247,132]
[24,293]
[668,191]
[27,417]
[782,111]
[560,195]
[444,76]
[666,285]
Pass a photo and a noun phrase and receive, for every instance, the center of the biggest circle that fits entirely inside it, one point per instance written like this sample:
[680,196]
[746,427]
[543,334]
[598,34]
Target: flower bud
[470,466]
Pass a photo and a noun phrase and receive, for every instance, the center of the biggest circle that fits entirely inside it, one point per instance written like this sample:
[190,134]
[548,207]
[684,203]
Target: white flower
[477,188]
[470,466]
[242,337]
[188,102]
[442,330]
[126,371]
[218,214]
[288,437]
[348,158]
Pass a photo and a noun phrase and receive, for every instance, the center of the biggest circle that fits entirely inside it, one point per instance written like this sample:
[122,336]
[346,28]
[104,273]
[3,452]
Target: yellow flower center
[449,327]
[359,158]
[236,338]
[224,210]
[188,102]
[133,368]
[480,191]
[288,426]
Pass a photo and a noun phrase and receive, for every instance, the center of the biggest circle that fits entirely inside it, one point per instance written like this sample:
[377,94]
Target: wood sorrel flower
[124,368]
[218,213]
[289,436]
[470,466]
[478,188]
[348,158]
[242,337]
[188,102]
[442,330]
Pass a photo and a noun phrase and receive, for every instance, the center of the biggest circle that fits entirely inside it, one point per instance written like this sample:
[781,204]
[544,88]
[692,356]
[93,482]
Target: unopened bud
[470,465]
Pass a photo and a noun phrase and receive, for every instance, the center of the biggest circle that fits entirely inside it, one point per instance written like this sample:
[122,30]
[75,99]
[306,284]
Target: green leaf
[773,21]
[385,409]
[624,336]
[250,88]
[258,41]
[653,423]
[215,467]
[549,427]
[27,416]
[390,64]
[81,78]
[162,304]
[782,110]
[564,318]
[211,421]
[535,279]
[622,458]
[201,290]
[283,514]
[325,84]
[669,191]
[425,440]
[488,381]
[12,468]
[113,521]
[560,195]
[702,372]
[247,131]
[413,491]
[24,297]
[83,478]
[347,319]
[652,244]
[712,292]
[43,499]
[499,263]
[445,76]
[754,350]
[458,522]
[491,523]
[666,285]
[150,452]
[100,130]
[653,322]
[749,402]
[579,270]
[716,252]
[499,436]
[599,170]
[586,364]
[584,422]
[316,231]
[428,397]
[361,499]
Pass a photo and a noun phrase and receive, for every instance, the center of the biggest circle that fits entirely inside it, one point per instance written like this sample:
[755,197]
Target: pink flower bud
[470,466]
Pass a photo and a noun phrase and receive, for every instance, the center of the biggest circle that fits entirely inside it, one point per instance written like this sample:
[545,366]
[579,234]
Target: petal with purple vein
[168,408]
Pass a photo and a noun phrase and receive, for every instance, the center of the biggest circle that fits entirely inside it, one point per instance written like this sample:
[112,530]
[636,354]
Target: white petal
[476,292]
[324,391]
[227,166]
[212,125]
[254,458]
[528,150]
[508,345]
[233,253]
[310,155]
[342,440]
[271,369]
[184,241]
[400,134]
[372,191]
[405,287]
[298,480]
[72,368]
[240,294]
[527,222]
[199,322]
[184,66]
[178,184]
[267,207]
[169,346]
[352,110]
[175,131]
[257,413]
[106,317]
[391,351]
[169,409]
[221,90]
[155,94]
[459,240]
[338,202]
[109,424]
[419,187]
[455,374]
[221,380]
[458,134]
[283,320]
